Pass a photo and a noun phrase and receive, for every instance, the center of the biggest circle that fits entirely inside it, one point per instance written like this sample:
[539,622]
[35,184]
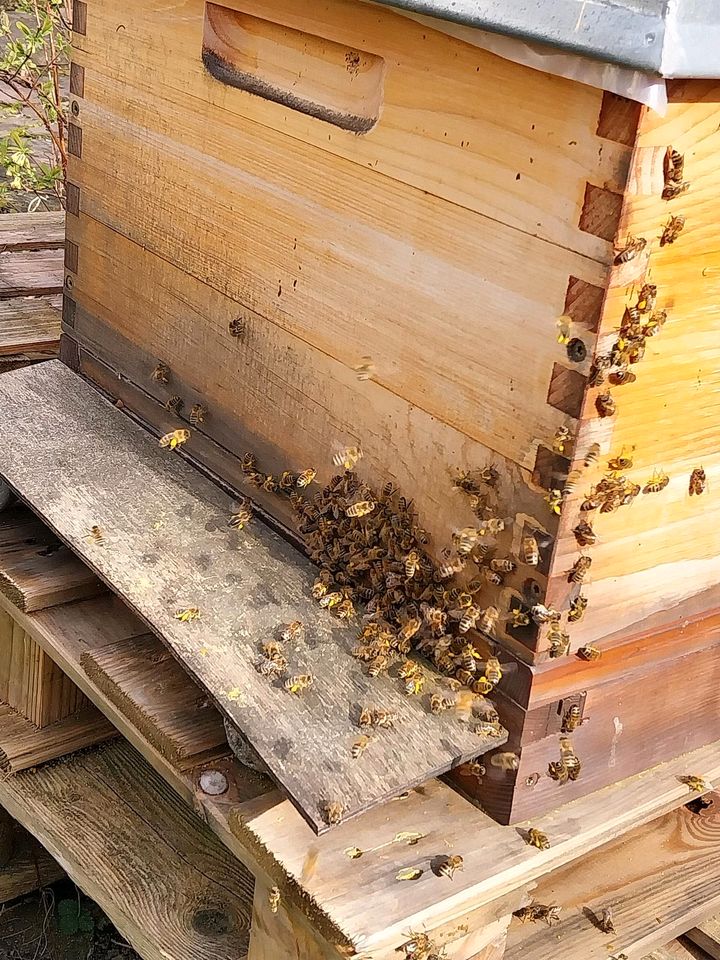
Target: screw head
[69,282]
[576,350]
[75,108]
[213,783]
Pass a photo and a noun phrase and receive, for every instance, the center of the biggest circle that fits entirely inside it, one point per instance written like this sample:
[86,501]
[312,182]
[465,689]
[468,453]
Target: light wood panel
[167,549]
[450,123]
[662,550]
[658,880]
[29,323]
[121,834]
[327,254]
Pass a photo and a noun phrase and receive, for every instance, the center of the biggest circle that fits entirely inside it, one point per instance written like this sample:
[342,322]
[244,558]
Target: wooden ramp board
[78,462]
[658,880]
[30,273]
[29,323]
[141,677]
[36,569]
[706,935]
[23,745]
[130,844]
[32,231]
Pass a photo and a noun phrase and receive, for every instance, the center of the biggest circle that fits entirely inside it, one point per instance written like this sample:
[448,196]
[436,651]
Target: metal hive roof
[670,38]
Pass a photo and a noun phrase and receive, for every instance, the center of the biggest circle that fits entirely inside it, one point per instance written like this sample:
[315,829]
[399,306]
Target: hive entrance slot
[310,74]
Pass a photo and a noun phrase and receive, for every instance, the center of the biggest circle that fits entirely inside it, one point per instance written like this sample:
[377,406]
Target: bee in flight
[175,439]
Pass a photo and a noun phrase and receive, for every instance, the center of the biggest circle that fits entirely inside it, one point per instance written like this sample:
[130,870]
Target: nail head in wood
[213,783]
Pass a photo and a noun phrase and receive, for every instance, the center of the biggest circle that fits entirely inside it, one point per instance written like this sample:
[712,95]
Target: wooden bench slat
[32,231]
[78,462]
[27,273]
[29,323]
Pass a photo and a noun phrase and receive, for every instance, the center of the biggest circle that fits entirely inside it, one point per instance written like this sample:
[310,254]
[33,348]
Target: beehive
[333,226]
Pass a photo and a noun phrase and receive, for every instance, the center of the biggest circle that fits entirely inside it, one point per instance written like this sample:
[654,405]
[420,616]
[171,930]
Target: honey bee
[584,534]
[554,500]
[592,502]
[333,812]
[657,482]
[606,922]
[468,619]
[578,606]
[286,481]
[97,535]
[271,667]
[502,565]
[299,682]
[330,600]
[449,865]
[561,438]
[472,768]
[488,620]
[175,439]
[188,614]
[647,298]
[197,414]
[558,771]
[569,759]
[493,525]
[672,230]
[366,717]
[319,589]
[274,899]
[559,642]
[536,838]
[466,677]
[530,551]
[410,628]
[450,565]
[360,509]
[590,653]
[434,617]
[696,784]
[564,325]
[621,462]
[408,668]
[294,632]
[493,671]
[439,703]
[518,618]
[248,463]
[412,564]
[580,569]
[505,761]
[572,719]
[592,454]
[698,482]
[598,369]
[270,484]
[378,665]
[542,614]
[174,404]
[365,369]
[305,478]
[236,327]
[383,718]
[633,246]
[605,405]
[464,540]
[537,912]
[360,746]
[673,169]
[347,457]
[414,685]
[622,376]
[272,650]
[243,516]
[161,373]
[482,686]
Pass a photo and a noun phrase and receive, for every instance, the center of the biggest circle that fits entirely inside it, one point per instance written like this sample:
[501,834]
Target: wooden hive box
[327,225]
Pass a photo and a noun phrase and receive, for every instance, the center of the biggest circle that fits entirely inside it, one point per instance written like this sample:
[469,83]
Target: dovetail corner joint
[619,119]
[74,143]
[77,80]
[68,311]
[72,199]
[567,390]
[600,213]
[79,18]
[71,256]
[584,303]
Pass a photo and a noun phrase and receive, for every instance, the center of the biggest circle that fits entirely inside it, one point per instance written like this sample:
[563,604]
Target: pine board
[130,844]
[167,548]
[141,677]
[29,324]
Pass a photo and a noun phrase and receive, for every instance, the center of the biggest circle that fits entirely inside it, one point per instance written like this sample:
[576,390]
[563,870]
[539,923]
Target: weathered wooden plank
[23,745]
[29,273]
[32,231]
[443,102]
[29,324]
[657,880]
[681,949]
[29,868]
[112,823]
[706,935]
[145,682]
[36,569]
[167,548]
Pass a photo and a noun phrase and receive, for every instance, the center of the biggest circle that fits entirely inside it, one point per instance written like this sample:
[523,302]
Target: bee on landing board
[161,373]
[305,478]
[299,683]
[580,570]
[633,247]
[672,230]
[448,867]
[294,632]
[657,482]
[96,535]
[572,719]
[243,516]
[175,439]
[197,414]
[589,652]
[360,746]
[530,551]
[536,838]
[333,812]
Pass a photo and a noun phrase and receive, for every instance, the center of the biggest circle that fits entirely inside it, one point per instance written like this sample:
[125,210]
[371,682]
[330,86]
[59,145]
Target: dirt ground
[59,923]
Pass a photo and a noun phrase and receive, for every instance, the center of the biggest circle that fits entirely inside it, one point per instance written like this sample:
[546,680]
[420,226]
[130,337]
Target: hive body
[337,227]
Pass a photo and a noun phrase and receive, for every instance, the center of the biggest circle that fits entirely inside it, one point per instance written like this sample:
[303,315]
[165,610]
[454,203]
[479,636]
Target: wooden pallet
[31,284]
[317,879]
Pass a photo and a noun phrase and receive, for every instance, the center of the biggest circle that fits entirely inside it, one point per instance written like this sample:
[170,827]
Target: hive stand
[328,898]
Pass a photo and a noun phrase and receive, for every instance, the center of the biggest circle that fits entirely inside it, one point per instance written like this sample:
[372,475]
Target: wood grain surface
[168,548]
[29,323]
[32,231]
[23,745]
[126,840]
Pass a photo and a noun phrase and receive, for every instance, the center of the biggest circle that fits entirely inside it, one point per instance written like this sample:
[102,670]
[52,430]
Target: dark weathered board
[32,231]
[29,273]
[79,462]
[23,745]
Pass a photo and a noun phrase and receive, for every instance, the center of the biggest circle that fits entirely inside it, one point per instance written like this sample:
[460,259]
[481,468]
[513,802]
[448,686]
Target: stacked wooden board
[31,285]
